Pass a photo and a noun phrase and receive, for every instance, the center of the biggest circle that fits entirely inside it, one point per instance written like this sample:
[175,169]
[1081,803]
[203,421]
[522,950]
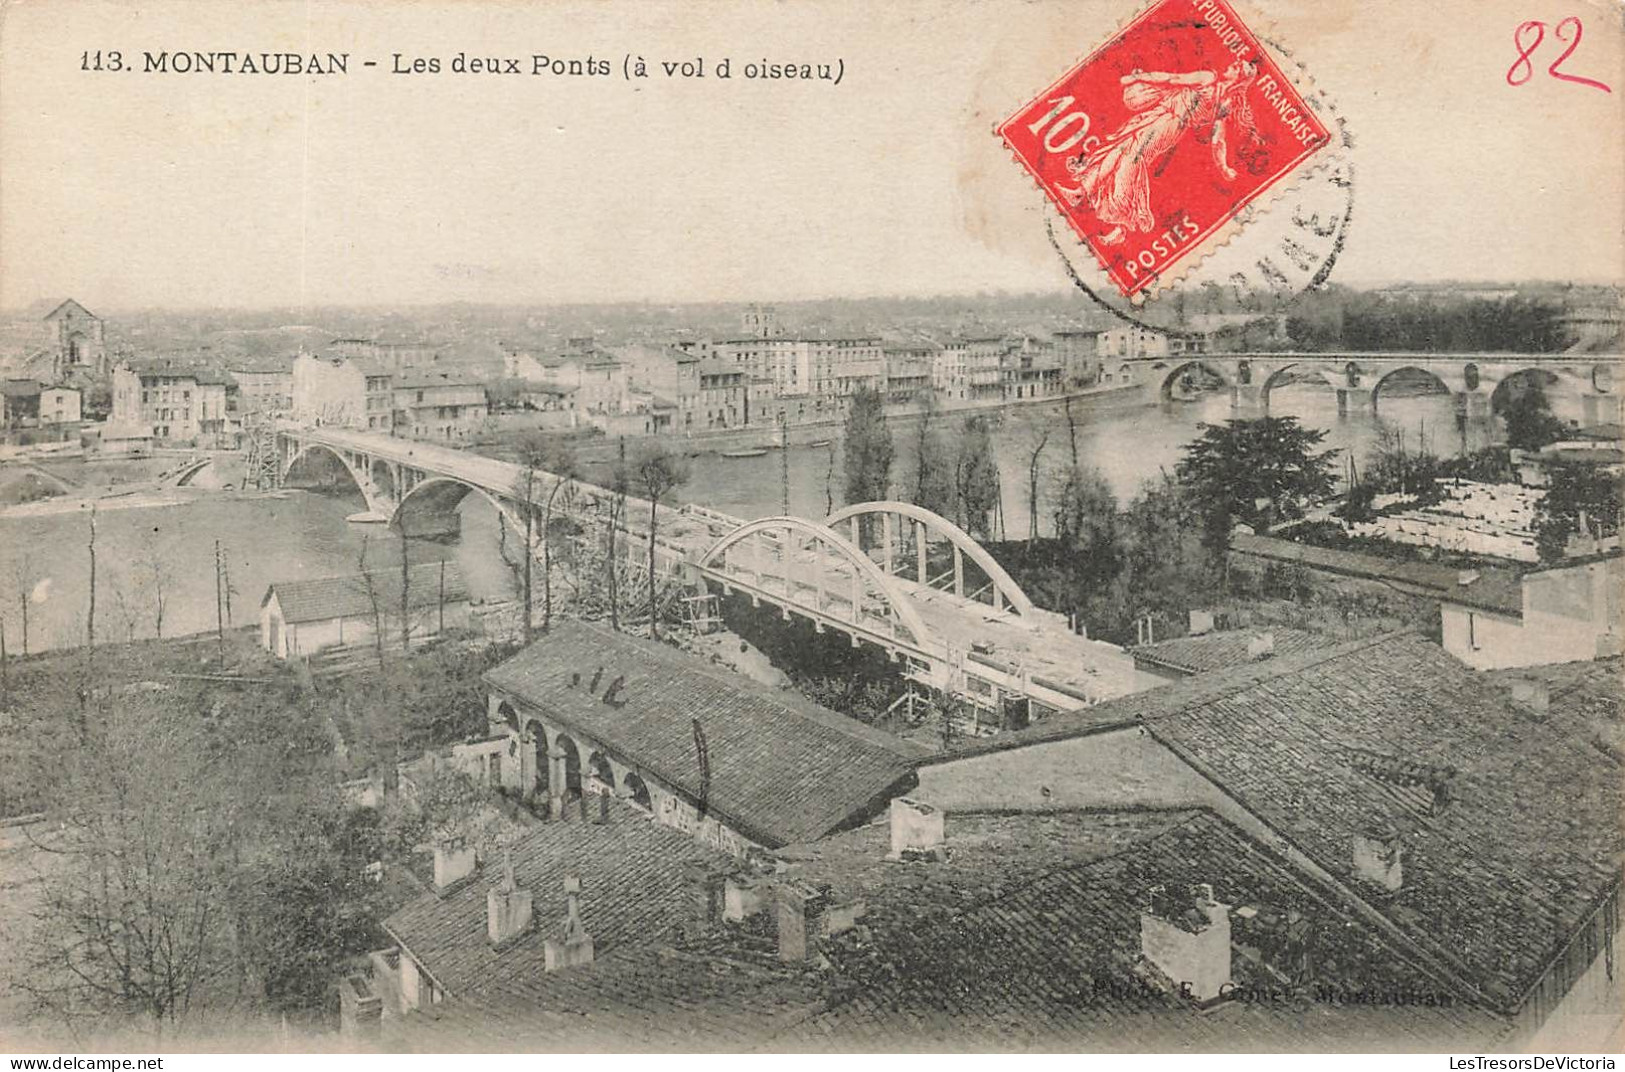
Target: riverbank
[593,449]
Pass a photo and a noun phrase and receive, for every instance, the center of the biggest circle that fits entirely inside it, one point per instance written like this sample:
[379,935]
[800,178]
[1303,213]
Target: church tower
[79,342]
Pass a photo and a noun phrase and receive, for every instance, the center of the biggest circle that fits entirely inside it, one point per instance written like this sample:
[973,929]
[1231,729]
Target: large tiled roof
[1217,651]
[321,598]
[1499,876]
[633,891]
[1028,937]
[708,992]
[782,769]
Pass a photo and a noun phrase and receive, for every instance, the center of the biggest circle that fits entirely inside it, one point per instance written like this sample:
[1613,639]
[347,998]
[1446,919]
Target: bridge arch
[1179,369]
[1003,584]
[446,492]
[1515,383]
[1385,378]
[892,597]
[306,449]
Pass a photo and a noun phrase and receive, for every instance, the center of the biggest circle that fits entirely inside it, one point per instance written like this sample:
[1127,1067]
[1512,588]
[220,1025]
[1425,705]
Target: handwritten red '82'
[1524,54]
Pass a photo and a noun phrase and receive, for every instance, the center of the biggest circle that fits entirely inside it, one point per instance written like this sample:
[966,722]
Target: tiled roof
[1493,589]
[710,992]
[321,598]
[1216,651]
[1027,937]
[633,891]
[1525,844]
[782,769]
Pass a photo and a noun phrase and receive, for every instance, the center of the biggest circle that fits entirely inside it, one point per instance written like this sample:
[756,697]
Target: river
[297,534]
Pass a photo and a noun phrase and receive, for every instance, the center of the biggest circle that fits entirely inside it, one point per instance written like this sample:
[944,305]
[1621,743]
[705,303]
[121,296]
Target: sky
[131,190]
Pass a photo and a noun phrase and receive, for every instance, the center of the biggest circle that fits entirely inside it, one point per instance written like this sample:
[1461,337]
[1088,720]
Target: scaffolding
[702,614]
[260,462]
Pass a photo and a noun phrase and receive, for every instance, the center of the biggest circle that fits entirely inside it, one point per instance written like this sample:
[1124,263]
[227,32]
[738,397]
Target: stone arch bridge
[890,575]
[1474,380]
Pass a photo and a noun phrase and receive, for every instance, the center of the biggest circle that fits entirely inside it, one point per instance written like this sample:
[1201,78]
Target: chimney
[1378,858]
[917,831]
[603,805]
[800,910]
[1261,646]
[704,885]
[453,864]
[1532,695]
[1201,622]
[507,909]
[1187,938]
[743,896]
[572,945]
[361,1009]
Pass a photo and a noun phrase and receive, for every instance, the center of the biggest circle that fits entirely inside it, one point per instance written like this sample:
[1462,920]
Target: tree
[868,445]
[22,576]
[933,483]
[155,577]
[976,478]
[1256,472]
[1529,419]
[371,589]
[559,459]
[1086,523]
[173,823]
[524,491]
[1040,438]
[659,472]
[620,479]
[1580,500]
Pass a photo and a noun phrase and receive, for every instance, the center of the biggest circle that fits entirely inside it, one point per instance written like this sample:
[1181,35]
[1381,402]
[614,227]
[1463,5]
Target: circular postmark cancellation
[1185,160]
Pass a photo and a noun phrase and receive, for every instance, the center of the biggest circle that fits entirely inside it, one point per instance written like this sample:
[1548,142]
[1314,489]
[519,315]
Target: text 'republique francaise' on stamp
[1157,144]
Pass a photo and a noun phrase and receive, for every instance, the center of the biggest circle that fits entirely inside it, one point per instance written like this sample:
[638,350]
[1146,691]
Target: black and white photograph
[808,527]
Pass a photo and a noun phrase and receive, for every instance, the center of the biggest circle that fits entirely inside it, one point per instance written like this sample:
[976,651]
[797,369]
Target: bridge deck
[1038,646]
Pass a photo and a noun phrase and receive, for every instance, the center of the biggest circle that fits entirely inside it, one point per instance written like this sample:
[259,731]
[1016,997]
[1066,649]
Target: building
[1479,833]
[589,705]
[59,405]
[1563,613]
[721,398]
[352,392]
[180,404]
[1026,375]
[965,931]
[263,386]
[1079,352]
[439,405]
[908,370]
[78,341]
[390,356]
[301,618]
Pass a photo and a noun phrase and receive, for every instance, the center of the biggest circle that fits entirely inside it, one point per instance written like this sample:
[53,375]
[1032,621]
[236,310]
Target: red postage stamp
[1163,135]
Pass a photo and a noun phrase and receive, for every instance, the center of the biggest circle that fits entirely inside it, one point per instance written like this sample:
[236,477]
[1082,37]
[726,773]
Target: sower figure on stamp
[1115,176]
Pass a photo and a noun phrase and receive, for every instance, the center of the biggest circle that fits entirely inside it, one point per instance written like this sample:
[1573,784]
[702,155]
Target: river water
[299,534]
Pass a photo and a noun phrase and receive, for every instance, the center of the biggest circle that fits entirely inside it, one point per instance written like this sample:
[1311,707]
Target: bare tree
[22,573]
[1041,439]
[156,577]
[561,462]
[372,600]
[406,588]
[617,517]
[659,472]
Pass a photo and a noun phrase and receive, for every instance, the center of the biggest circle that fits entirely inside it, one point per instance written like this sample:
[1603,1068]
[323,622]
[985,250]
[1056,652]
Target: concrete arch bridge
[891,575]
[1479,382]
